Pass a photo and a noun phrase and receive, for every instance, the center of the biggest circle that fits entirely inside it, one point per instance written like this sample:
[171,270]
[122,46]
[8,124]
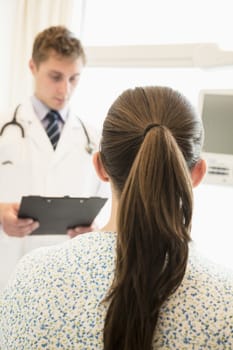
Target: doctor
[29,163]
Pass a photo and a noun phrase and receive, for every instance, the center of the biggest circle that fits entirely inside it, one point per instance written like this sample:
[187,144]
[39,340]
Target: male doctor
[34,164]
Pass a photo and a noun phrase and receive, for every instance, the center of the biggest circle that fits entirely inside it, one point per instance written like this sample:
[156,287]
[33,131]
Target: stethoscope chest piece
[90,147]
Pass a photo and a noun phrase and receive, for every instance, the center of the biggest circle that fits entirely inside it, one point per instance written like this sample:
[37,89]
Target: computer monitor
[216,110]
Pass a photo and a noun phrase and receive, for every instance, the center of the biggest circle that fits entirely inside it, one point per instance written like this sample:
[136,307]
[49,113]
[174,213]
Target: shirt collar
[41,109]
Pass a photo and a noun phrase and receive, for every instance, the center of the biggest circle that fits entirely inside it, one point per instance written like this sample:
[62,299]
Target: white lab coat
[30,166]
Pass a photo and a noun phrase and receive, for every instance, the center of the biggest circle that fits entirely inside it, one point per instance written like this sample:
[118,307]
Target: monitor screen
[217,116]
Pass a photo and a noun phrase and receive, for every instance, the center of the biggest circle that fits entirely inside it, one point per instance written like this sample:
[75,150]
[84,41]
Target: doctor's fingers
[29,228]
[23,222]
[79,230]
[21,230]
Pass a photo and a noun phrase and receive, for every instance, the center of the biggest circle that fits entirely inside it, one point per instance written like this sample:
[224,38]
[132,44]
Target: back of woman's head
[151,140]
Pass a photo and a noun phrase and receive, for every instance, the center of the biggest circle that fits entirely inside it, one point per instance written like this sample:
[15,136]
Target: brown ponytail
[150,168]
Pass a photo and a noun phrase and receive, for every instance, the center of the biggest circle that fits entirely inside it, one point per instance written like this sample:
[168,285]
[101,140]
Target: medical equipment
[13,122]
[216,109]
[90,146]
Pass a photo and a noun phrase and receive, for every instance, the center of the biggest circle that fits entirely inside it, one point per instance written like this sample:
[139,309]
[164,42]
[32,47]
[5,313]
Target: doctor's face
[56,79]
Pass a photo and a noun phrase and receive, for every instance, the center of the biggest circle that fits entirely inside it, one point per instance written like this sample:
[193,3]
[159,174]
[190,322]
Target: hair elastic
[150,126]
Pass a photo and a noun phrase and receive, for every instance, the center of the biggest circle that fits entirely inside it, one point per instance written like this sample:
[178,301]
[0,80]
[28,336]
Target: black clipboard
[57,214]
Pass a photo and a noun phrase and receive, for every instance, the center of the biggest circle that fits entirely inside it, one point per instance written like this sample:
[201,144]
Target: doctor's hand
[80,230]
[11,224]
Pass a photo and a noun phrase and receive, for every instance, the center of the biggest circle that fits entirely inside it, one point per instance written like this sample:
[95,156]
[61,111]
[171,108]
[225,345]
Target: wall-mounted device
[216,110]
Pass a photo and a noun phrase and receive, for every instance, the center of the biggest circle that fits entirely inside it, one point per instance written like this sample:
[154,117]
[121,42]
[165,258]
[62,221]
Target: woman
[137,284]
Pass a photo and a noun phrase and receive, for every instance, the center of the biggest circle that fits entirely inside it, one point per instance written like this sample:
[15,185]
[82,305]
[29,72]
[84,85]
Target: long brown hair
[151,140]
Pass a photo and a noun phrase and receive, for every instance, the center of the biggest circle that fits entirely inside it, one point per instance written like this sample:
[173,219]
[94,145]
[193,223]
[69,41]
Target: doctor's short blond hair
[60,40]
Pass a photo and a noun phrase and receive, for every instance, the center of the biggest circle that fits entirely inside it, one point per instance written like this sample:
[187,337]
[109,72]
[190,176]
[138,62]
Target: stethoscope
[90,146]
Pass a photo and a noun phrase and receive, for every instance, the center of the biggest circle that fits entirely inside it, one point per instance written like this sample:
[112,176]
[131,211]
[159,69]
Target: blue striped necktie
[52,129]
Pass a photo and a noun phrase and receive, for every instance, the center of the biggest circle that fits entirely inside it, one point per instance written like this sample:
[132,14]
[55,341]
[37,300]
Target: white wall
[213,222]
[7,15]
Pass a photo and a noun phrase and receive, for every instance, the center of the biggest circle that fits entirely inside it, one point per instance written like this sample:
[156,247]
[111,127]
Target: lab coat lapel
[34,129]
[70,137]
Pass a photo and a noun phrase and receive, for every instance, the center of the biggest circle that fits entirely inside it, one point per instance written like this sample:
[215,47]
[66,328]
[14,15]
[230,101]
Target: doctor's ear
[99,168]
[32,66]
